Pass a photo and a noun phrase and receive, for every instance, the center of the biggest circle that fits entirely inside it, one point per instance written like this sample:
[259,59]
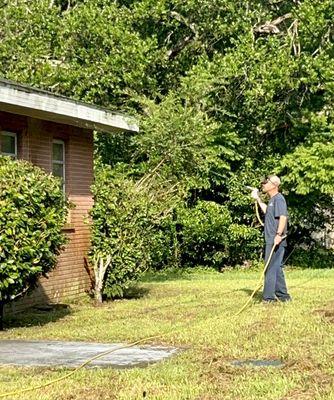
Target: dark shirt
[275,208]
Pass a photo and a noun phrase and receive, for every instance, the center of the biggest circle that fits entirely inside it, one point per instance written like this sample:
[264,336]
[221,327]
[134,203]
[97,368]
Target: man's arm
[281,225]
[255,195]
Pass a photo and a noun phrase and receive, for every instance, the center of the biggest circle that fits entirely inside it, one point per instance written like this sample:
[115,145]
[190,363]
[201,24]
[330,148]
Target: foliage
[126,220]
[314,171]
[224,93]
[33,211]
[209,237]
[89,52]
[185,142]
[312,257]
[118,231]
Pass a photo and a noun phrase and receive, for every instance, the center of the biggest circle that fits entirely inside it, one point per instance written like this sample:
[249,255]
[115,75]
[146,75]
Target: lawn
[196,312]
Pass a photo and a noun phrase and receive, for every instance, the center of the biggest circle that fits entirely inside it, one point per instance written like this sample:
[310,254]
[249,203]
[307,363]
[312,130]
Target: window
[8,144]
[58,160]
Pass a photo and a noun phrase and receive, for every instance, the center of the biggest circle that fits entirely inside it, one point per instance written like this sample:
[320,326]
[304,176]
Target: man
[275,228]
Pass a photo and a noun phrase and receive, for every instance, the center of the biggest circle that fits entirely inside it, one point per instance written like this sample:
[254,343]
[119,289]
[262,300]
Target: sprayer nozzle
[250,188]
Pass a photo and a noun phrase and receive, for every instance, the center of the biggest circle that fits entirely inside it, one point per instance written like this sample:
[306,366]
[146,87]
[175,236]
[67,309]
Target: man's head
[271,184]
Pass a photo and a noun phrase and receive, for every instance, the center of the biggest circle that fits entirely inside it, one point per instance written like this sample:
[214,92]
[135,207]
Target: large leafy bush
[33,210]
[124,220]
[209,237]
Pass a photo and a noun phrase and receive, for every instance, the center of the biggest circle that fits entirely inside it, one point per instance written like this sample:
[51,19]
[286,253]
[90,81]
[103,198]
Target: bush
[209,237]
[120,233]
[312,257]
[32,213]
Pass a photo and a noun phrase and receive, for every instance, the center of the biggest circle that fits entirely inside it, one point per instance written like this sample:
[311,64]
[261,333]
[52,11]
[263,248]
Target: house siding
[69,279]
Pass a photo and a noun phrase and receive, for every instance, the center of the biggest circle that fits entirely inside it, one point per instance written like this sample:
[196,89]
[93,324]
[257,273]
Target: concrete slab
[73,354]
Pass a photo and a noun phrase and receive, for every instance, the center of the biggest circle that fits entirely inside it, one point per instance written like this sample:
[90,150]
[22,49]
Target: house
[56,134]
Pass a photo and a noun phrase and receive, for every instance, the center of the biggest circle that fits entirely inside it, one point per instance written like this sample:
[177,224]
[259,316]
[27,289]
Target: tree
[225,92]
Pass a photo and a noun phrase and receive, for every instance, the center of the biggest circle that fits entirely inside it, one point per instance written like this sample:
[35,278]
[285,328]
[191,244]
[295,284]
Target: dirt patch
[216,370]
[326,313]
[264,325]
[311,386]
[313,382]
[92,394]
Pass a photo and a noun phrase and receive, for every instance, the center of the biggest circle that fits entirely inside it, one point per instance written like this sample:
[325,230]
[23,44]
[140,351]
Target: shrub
[209,237]
[312,257]
[120,233]
[33,210]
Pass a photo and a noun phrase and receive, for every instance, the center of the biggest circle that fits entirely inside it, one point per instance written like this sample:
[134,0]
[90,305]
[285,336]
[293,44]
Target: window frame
[11,134]
[63,163]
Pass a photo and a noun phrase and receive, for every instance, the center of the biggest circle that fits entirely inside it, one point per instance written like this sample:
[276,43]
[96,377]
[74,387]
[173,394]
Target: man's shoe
[269,301]
[284,299]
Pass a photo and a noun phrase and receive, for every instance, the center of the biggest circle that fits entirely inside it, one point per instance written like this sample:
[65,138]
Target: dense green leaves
[184,142]
[225,92]
[128,218]
[314,171]
[32,213]
[209,236]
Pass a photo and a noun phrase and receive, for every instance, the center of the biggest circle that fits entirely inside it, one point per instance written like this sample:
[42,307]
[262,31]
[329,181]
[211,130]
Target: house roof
[25,100]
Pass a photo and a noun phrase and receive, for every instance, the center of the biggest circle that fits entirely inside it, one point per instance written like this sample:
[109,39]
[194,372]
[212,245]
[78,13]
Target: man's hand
[255,194]
[277,240]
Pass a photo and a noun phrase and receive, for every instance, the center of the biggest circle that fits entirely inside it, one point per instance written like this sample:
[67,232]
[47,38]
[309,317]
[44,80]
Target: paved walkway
[73,354]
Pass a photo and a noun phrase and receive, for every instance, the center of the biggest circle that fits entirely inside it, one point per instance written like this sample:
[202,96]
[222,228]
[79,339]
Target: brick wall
[70,278]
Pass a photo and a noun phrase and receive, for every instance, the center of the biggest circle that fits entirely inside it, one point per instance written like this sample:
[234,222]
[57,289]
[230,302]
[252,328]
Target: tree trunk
[100,268]
[98,295]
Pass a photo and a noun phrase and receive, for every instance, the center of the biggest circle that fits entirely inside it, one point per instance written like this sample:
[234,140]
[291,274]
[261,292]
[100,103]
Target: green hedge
[208,236]
[33,210]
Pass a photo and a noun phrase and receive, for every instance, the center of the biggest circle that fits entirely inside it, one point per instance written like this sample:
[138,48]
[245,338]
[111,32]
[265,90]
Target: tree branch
[184,42]
[271,27]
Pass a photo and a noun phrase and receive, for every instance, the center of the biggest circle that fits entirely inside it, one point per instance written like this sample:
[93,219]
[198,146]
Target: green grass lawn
[195,311]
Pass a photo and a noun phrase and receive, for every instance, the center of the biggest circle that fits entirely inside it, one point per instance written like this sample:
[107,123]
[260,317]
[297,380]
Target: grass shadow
[37,315]
[135,292]
[173,274]
[257,297]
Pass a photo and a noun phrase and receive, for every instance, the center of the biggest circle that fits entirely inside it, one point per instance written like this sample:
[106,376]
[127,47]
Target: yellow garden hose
[258,214]
[256,205]
[258,287]
[16,393]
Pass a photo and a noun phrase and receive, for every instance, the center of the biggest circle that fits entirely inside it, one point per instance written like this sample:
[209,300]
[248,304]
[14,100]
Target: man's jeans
[274,282]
